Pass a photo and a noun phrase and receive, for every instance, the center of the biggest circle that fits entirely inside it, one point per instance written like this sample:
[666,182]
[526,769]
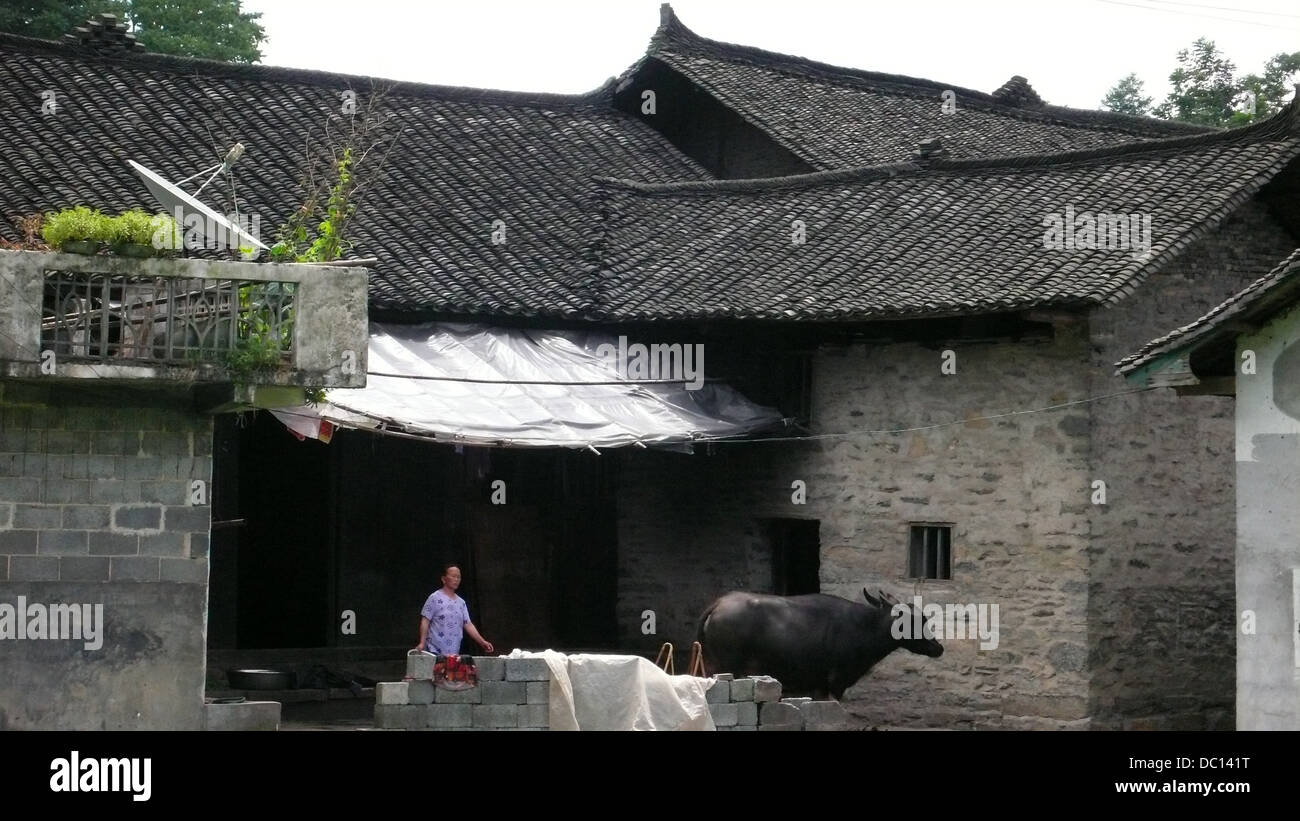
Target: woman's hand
[487,646]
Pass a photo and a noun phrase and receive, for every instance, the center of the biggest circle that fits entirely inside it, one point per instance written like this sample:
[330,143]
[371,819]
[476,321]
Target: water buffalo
[813,644]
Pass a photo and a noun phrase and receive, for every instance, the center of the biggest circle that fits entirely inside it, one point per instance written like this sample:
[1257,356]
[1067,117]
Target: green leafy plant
[75,225]
[262,337]
[135,227]
[338,171]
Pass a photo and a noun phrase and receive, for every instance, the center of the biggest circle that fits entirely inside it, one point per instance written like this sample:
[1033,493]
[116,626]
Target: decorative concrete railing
[184,320]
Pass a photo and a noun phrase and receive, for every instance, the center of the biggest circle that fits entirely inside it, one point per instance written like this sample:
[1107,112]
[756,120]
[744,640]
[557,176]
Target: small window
[929,552]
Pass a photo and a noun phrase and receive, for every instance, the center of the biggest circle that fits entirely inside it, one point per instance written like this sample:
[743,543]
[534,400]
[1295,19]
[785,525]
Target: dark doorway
[308,537]
[270,536]
[796,556]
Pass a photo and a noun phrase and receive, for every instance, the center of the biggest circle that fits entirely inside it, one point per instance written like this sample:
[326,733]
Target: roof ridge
[601,96]
[672,31]
[1285,123]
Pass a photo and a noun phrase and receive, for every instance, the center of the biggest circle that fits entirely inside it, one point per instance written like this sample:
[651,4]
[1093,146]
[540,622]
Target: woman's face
[451,580]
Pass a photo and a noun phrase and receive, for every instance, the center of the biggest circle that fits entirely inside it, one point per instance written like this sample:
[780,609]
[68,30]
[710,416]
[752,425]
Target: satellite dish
[182,205]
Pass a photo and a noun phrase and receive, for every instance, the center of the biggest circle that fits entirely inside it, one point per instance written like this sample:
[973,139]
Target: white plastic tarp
[485,385]
[611,692]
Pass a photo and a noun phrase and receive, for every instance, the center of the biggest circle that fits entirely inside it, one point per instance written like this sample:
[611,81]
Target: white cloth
[597,692]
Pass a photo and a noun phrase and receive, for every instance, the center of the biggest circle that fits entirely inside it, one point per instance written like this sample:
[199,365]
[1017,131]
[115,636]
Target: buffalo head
[923,644]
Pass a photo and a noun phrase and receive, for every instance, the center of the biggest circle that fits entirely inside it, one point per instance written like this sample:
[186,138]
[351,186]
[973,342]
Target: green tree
[212,29]
[1263,95]
[51,19]
[1126,97]
[1204,88]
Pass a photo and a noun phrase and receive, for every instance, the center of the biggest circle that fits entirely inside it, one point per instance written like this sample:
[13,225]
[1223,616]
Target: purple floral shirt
[447,619]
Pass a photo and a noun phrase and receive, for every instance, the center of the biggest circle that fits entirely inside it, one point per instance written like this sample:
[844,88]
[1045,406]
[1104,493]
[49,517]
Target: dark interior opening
[796,556]
[304,531]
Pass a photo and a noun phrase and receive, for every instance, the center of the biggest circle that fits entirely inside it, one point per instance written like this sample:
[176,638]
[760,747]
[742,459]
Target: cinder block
[472,695]
[503,692]
[400,716]
[391,692]
[766,688]
[742,689]
[33,568]
[776,715]
[183,571]
[490,668]
[420,666]
[250,715]
[745,727]
[746,713]
[133,568]
[419,692]
[824,715]
[725,676]
[719,693]
[535,715]
[530,669]
[83,568]
[797,701]
[495,715]
[724,715]
[445,716]
[539,692]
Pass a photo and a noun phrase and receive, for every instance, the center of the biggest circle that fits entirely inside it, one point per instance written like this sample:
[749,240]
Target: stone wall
[95,509]
[1014,488]
[1162,593]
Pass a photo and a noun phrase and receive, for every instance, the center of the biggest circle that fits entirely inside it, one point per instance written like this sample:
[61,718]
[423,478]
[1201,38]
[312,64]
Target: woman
[445,618]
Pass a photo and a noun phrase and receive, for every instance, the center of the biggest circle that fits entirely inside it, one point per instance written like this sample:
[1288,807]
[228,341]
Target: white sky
[1071,51]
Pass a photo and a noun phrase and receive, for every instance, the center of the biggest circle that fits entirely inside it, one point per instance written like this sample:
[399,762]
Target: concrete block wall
[95,492]
[755,703]
[512,694]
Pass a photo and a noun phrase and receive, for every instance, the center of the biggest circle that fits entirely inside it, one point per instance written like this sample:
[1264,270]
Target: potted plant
[76,230]
[132,234]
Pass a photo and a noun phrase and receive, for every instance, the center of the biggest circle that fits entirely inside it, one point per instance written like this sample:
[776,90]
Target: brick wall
[94,507]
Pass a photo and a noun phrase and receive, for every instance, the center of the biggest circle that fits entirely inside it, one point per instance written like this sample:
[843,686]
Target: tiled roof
[946,237]
[1278,285]
[834,117]
[466,158]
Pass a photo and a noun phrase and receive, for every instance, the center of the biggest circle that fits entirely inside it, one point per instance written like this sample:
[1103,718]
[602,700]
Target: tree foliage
[1206,90]
[1126,97]
[212,29]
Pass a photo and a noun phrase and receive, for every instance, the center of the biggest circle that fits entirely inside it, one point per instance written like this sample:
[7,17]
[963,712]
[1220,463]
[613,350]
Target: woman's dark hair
[449,566]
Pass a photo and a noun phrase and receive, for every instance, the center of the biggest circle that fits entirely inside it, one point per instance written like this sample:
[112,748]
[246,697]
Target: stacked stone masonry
[755,703]
[512,694]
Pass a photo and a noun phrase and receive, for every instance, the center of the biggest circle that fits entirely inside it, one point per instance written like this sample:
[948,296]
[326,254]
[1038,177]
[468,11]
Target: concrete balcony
[219,327]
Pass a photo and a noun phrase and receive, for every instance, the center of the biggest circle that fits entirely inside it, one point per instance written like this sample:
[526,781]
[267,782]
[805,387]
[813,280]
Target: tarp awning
[483,385]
